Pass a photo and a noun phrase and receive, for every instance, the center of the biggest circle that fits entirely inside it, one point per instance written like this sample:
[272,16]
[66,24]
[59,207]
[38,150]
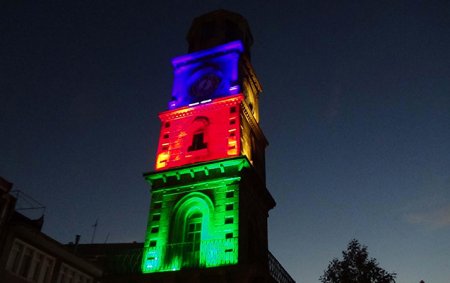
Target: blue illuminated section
[206,74]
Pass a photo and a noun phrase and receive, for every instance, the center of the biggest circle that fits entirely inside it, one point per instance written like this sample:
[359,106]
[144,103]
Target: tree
[356,267]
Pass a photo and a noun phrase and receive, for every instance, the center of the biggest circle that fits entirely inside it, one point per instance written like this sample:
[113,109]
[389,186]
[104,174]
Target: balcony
[127,260]
[209,253]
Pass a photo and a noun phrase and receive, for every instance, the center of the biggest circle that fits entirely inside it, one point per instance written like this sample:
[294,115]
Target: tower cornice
[200,106]
[197,171]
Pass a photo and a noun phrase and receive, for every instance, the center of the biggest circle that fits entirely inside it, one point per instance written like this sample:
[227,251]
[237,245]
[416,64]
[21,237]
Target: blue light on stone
[206,74]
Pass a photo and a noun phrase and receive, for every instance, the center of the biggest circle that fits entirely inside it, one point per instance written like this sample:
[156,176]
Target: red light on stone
[199,133]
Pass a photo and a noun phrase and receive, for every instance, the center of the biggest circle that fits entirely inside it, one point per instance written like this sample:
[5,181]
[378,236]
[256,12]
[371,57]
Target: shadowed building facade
[29,255]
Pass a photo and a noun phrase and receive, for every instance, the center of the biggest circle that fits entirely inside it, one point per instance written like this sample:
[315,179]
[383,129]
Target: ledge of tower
[219,27]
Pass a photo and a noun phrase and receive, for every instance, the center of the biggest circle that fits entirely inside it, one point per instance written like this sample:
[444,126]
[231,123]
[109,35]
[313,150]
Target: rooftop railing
[277,271]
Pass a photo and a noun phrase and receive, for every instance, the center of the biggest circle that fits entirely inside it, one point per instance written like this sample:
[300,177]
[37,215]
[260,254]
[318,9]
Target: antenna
[27,203]
[95,229]
[107,237]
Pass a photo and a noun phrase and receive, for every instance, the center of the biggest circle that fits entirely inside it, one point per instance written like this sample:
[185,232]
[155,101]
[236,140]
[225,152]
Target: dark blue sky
[356,107]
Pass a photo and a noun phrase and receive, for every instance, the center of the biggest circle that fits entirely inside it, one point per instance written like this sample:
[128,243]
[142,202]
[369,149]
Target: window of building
[156,217]
[228,235]
[233,109]
[167,124]
[68,274]
[157,205]
[198,130]
[154,230]
[29,262]
[197,142]
[229,220]
[229,207]
[15,256]
[194,233]
[166,136]
[230,194]
[27,257]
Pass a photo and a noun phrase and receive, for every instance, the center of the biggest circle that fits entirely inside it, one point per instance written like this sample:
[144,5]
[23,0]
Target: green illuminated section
[194,217]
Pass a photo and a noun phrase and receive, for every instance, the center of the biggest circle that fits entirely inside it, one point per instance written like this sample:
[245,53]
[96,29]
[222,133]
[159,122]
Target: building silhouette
[28,255]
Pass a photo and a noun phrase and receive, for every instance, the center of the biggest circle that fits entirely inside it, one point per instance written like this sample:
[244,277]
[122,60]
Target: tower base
[223,274]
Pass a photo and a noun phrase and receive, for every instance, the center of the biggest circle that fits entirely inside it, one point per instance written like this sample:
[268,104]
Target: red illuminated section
[198,133]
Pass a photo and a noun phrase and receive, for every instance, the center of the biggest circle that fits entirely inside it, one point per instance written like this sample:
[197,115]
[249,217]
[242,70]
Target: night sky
[356,108]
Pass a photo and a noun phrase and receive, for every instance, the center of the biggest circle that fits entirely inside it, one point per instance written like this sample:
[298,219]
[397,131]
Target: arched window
[198,141]
[190,227]
[192,239]
[198,130]
[193,231]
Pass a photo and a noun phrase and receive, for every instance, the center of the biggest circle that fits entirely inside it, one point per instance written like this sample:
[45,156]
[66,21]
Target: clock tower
[209,202]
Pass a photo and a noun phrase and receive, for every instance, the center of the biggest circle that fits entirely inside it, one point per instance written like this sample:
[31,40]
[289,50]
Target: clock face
[205,86]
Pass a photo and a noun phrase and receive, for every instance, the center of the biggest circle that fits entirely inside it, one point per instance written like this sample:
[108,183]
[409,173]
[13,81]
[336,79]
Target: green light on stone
[196,223]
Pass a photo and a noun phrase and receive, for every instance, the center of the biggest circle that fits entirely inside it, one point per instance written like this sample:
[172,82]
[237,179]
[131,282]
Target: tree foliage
[356,267]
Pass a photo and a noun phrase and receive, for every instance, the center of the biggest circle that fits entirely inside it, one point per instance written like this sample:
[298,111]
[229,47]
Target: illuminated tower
[209,203]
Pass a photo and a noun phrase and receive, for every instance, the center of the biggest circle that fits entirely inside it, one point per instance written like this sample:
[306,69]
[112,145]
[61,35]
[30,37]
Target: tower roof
[219,27]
